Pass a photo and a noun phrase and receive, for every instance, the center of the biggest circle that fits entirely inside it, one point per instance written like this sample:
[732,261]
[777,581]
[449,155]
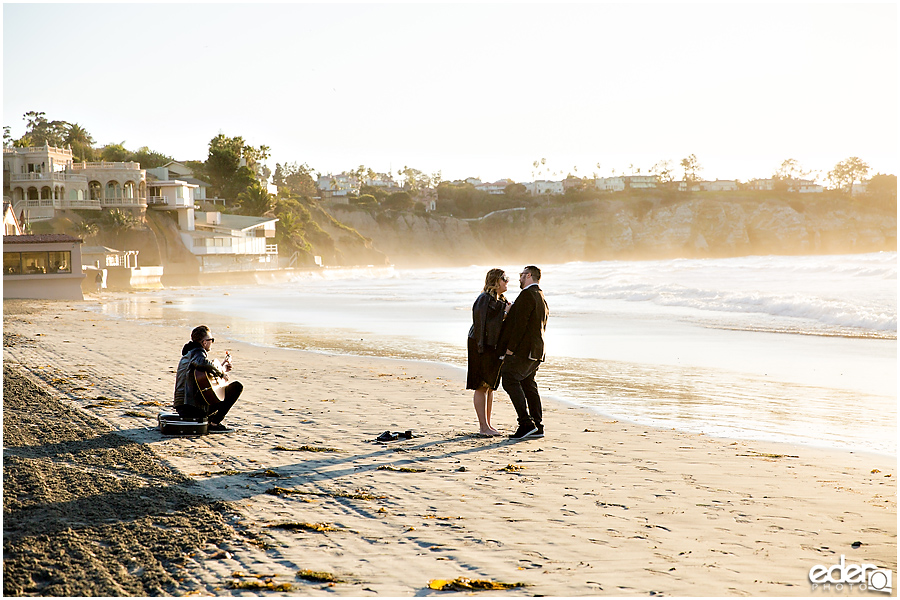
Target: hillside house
[40,181]
[542,187]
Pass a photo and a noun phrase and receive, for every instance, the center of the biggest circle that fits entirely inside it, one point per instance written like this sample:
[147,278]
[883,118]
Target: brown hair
[492,283]
[199,333]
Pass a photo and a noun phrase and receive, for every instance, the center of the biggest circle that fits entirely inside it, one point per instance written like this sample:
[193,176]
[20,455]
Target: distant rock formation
[636,228]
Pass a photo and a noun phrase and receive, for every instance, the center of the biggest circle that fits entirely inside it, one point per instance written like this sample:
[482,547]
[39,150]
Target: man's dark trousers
[232,393]
[518,382]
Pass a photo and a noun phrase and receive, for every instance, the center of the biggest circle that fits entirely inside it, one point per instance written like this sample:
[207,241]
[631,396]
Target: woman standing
[483,374]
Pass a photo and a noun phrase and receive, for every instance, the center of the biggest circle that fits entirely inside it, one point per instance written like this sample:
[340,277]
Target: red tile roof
[44,238]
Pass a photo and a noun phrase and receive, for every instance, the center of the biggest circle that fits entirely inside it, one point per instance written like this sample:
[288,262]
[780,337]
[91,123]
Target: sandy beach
[598,507]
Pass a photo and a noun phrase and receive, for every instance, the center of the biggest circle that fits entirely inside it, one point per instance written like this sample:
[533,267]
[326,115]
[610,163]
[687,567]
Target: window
[36,263]
[12,263]
[60,262]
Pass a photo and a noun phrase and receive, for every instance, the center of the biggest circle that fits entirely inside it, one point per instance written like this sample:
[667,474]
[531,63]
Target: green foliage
[414,179]
[515,190]
[149,159]
[226,175]
[295,179]
[398,201]
[115,153]
[40,131]
[466,202]
[691,169]
[365,200]
[370,190]
[847,172]
[256,200]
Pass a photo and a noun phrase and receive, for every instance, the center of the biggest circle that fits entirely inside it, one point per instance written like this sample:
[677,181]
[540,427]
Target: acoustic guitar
[212,390]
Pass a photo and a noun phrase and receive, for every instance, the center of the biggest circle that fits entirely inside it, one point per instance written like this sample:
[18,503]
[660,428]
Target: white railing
[37,149]
[123,201]
[63,204]
[271,248]
[55,176]
[131,166]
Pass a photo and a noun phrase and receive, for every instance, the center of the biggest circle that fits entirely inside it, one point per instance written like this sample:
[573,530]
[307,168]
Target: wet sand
[301,493]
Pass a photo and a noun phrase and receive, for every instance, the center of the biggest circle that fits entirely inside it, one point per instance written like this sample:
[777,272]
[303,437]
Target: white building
[803,186]
[225,242]
[42,266]
[542,187]
[496,187]
[43,180]
[178,171]
[341,185]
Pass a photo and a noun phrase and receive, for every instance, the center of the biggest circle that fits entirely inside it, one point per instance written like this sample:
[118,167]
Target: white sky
[470,89]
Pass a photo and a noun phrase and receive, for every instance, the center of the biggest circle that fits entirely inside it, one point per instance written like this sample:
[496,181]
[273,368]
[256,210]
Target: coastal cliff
[646,227]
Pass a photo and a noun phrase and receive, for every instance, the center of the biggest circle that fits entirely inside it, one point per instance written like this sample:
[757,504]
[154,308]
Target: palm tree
[80,140]
[256,200]
[86,229]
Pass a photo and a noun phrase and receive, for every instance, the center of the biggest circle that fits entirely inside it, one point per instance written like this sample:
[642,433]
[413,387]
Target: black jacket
[193,357]
[523,329]
[487,320]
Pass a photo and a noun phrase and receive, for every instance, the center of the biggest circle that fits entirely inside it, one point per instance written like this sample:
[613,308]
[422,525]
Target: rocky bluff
[643,227]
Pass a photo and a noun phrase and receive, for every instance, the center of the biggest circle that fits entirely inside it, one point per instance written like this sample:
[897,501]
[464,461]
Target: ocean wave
[836,313]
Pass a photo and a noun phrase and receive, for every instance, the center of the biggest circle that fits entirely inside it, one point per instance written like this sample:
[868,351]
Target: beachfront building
[382,181]
[622,182]
[41,181]
[542,187]
[44,266]
[496,187]
[802,186]
[610,184]
[342,185]
[225,242]
[176,171]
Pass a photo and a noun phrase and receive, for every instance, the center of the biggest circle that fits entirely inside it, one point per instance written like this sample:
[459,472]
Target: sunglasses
[505,278]
[210,340]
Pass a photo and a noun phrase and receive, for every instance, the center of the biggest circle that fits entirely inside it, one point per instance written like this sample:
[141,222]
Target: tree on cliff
[295,179]
[227,175]
[256,200]
[398,201]
[847,172]
[414,179]
[691,169]
[663,172]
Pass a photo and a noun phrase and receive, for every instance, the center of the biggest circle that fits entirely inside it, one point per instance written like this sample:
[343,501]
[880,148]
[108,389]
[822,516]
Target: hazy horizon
[470,90]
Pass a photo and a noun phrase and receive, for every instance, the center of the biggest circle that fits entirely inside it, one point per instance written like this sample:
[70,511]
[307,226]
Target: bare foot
[490,432]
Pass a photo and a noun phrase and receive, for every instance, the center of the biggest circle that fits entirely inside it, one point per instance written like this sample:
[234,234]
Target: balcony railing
[271,248]
[131,166]
[106,202]
[63,204]
[55,176]
[38,149]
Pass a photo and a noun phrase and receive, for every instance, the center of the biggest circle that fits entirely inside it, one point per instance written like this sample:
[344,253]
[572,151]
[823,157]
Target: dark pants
[518,382]
[232,393]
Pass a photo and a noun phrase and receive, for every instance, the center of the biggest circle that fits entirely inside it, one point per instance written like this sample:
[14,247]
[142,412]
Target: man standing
[522,338]
[189,401]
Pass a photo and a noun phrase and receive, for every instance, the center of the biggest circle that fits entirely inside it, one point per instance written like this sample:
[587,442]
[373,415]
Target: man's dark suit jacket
[523,329]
